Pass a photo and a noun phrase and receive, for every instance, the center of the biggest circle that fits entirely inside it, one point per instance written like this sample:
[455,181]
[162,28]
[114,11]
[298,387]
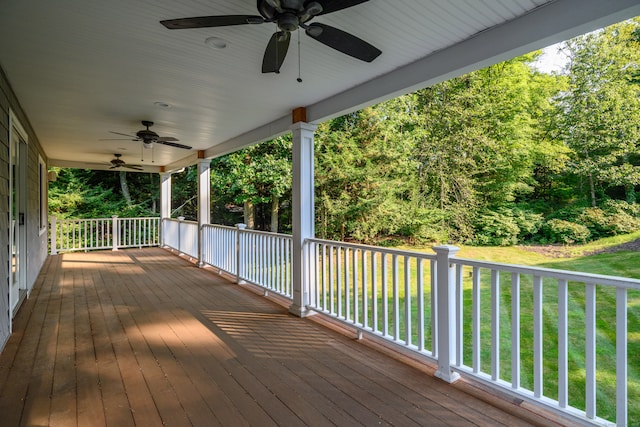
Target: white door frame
[18,153]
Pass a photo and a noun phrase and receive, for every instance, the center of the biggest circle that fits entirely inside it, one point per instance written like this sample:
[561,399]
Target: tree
[600,112]
[254,177]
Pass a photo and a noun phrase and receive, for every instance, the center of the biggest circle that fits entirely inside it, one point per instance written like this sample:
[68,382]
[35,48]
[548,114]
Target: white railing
[383,291]
[181,235]
[532,331]
[551,337]
[220,247]
[265,260]
[257,257]
[102,233]
[551,352]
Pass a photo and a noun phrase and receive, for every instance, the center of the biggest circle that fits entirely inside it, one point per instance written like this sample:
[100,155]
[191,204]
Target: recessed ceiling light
[216,43]
[161,104]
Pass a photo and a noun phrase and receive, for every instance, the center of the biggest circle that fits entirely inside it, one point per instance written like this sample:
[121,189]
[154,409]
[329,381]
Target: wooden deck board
[142,337]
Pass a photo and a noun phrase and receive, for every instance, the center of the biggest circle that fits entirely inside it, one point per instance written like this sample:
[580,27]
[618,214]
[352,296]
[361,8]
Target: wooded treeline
[500,156]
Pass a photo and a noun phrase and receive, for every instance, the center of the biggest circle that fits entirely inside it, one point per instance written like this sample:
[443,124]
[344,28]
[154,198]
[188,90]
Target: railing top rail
[106,219]
[186,221]
[389,251]
[225,227]
[267,233]
[598,279]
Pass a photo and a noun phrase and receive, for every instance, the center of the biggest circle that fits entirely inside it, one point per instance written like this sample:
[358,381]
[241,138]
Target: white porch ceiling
[83,68]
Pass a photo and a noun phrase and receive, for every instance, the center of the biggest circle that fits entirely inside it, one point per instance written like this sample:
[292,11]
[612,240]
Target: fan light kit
[289,16]
[216,43]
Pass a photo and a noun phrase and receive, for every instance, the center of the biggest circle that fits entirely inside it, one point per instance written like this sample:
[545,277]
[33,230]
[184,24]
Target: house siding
[36,241]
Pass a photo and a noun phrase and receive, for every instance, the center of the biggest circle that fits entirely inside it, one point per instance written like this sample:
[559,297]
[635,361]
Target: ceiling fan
[148,137]
[118,163]
[289,15]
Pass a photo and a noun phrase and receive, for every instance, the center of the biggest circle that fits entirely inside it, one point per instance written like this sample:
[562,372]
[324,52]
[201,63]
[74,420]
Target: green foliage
[561,231]
[79,193]
[506,227]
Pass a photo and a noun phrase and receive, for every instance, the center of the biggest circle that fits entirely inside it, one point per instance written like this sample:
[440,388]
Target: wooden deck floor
[143,337]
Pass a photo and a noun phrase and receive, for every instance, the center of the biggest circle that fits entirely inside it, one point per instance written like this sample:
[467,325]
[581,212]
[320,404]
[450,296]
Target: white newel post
[204,203]
[54,235]
[116,232]
[165,203]
[303,214]
[239,251]
[446,298]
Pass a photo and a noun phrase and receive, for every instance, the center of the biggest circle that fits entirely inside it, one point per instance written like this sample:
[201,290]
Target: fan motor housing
[147,135]
[288,22]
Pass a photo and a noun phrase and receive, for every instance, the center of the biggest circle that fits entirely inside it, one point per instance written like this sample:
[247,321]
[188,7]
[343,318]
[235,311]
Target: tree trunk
[275,209]
[592,190]
[249,214]
[125,188]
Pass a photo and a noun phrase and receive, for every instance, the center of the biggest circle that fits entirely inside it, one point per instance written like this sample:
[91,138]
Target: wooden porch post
[204,201]
[165,202]
[303,210]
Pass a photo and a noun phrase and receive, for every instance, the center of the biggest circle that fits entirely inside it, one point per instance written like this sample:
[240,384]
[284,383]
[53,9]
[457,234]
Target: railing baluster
[396,299]
[459,315]
[333,256]
[347,285]
[420,302]
[356,285]
[407,301]
[563,344]
[590,351]
[385,297]
[434,310]
[365,289]
[515,330]
[374,291]
[495,325]
[537,336]
[622,397]
[475,306]
[325,266]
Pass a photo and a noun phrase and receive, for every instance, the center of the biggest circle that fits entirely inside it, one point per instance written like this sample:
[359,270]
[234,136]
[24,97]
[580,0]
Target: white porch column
[303,213]
[446,304]
[165,202]
[204,202]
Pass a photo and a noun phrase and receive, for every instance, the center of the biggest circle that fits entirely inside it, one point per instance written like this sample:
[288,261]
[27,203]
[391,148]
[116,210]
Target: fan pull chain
[277,56]
[141,151]
[299,79]
[152,151]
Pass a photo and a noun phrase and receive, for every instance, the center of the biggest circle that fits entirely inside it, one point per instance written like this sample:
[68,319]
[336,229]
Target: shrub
[496,229]
[561,231]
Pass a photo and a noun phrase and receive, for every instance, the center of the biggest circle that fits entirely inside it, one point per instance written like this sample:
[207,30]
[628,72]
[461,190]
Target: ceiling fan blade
[276,52]
[211,21]
[123,134]
[134,167]
[168,138]
[173,144]
[329,6]
[343,42]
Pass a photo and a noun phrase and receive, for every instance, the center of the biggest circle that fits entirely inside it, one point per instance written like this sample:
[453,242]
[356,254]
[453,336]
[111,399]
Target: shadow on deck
[143,337]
